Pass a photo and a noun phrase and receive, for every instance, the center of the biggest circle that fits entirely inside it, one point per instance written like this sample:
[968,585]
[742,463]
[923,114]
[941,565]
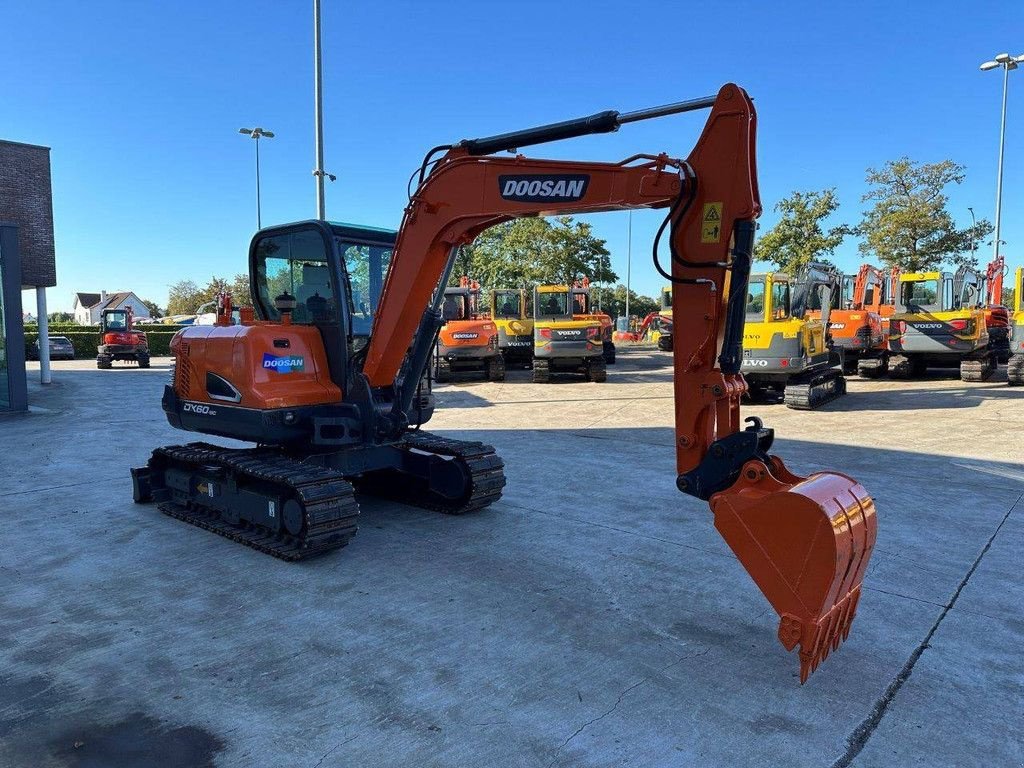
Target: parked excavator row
[330,387]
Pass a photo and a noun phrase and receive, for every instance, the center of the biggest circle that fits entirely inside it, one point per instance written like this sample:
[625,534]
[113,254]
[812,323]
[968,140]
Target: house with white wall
[88,306]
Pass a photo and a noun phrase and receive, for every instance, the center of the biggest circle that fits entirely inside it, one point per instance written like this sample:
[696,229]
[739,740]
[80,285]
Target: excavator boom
[805,541]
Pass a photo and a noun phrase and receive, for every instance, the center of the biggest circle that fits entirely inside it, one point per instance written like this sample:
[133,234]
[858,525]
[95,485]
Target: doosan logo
[465,335]
[558,188]
[284,364]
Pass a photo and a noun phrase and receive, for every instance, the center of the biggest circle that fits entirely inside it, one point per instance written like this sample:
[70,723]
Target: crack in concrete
[905,597]
[857,740]
[334,749]
[633,687]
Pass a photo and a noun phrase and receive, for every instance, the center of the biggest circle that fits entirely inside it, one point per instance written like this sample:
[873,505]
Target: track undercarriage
[811,390]
[299,506]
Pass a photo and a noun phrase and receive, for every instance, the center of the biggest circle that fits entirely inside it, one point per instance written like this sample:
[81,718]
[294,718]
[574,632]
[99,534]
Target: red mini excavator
[119,340]
[328,379]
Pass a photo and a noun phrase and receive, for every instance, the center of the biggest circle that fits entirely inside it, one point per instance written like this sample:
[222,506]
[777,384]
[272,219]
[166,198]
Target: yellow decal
[711,223]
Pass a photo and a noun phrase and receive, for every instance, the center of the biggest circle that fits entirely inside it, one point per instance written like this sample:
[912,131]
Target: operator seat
[316,280]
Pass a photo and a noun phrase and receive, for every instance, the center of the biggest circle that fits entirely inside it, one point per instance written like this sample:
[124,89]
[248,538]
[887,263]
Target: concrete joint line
[860,736]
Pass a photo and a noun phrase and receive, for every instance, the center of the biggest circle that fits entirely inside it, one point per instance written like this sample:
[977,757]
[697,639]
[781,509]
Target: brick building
[27,259]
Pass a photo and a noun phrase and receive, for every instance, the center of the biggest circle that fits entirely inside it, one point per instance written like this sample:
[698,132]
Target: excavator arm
[804,541]
[994,273]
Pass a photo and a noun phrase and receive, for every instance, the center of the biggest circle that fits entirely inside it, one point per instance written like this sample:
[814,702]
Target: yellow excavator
[940,322]
[564,343]
[785,342]
[510,312]
[660,330]
[1015,367]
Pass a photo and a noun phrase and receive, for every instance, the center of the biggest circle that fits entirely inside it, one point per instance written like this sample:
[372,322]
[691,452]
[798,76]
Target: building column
[44,336]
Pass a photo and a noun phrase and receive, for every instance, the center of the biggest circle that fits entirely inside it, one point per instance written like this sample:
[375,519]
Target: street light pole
[1007,62]
[629,263]
[257,134]
[321,206]
[974,231]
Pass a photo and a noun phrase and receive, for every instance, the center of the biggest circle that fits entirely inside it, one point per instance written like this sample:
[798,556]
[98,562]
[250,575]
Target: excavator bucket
[806,542]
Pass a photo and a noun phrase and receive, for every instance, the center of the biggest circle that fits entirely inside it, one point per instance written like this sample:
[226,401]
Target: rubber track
[900,367]
[872,368]
[977,368]
[486,471]
[1015,370]
[327,498]
[597,370]
[806,393]
[541,371]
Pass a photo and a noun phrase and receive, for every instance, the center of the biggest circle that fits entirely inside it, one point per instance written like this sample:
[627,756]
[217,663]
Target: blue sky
[142,101]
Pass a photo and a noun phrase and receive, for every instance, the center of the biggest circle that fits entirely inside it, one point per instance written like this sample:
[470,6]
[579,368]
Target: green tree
[60,317]
[908,226]
[526,252]
[613,301]
[155,310]
[239,288]
[799,236]
[183,298]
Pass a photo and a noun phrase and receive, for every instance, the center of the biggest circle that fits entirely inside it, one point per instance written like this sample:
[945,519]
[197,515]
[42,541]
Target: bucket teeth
[818,639]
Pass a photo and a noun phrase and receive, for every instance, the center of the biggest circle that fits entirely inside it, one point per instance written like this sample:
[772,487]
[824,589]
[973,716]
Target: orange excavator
[856,322]
[335,406]
[997,315]
[468,340]
[582,310]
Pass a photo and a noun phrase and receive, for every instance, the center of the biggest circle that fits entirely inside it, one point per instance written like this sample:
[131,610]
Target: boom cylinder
[600,122]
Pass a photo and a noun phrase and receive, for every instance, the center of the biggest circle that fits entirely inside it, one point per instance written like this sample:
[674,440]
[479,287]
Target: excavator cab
[515,326]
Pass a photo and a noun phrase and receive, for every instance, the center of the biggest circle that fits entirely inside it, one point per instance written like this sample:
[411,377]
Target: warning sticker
[711,223]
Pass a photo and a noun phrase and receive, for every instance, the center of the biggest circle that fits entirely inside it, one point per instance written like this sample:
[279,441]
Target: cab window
[755,301]
[666,298]
[553,304]
[780,301]
[116,321]
[367,266]
[506,304]
[923,295]
[455,307]
[296,262]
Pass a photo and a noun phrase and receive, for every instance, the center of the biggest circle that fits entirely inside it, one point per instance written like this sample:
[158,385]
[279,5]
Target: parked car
[61,348]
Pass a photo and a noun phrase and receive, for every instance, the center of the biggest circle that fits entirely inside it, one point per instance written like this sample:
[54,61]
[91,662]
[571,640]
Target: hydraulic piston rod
[600,122]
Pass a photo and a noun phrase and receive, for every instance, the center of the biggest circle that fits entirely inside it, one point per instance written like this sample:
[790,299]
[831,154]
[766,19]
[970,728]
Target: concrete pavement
[592,617]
